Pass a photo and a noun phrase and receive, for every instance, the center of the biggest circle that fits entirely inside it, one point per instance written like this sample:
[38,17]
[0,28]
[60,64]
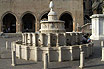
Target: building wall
[38,7]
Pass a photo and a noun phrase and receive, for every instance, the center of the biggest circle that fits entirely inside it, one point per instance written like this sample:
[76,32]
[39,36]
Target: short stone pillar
[29,39]
[19,53]
[57,40]
[13,46]
[23,38]
[64,39]
[26,53]
[26,38]
[13,58]
[60,59]
[82,59]
[80,38]
[41,39]
[34,39]
[6,45]
[102,43]
[46,61]
[102,54]
[76,38]
[49,39]
[36,54]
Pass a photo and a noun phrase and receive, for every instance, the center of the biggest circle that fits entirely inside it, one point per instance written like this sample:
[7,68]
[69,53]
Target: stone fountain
[52,39]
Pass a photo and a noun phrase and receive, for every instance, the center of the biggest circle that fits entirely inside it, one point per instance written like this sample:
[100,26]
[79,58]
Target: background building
[87,6]
[18,16]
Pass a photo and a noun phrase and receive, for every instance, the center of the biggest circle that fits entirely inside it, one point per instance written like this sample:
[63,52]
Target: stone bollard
[6,45]
[13,58]
[46,61]
[102,54]
[82,60]
[102,43]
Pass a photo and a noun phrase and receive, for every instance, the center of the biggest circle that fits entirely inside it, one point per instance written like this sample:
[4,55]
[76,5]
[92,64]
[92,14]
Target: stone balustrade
[50,39]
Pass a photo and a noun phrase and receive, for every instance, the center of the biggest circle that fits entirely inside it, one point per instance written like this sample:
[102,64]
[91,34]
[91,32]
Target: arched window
[9,23]
[68,21]
[28,23]
[45,17]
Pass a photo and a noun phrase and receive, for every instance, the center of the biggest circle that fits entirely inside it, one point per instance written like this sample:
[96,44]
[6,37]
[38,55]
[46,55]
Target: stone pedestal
[97,27]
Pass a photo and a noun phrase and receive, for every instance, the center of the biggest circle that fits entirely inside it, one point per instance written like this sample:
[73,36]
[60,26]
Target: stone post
[26,38]
[81,59]
[26,53]
[13,58]
[6,45]
[46,61]
[36,55]
[34,39]
[59,59]
[71,51]
[64,39]
[49,40]
[57,40]
[19,52]
[102,43]
[41,39]
[102,54]
[23,38]
[29,39]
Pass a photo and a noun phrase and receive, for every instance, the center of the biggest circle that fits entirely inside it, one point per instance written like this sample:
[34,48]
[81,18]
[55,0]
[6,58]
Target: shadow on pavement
[61,68]
[25,64]
[94,66]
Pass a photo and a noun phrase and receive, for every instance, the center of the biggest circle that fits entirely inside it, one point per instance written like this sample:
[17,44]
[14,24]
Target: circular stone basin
[55,54]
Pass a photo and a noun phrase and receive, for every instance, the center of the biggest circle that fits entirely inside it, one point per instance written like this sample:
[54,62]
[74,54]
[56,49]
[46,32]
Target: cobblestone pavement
[94,62]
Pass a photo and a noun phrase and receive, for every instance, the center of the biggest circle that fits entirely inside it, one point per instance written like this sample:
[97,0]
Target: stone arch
[28,21]
[8,22]
[67,17]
